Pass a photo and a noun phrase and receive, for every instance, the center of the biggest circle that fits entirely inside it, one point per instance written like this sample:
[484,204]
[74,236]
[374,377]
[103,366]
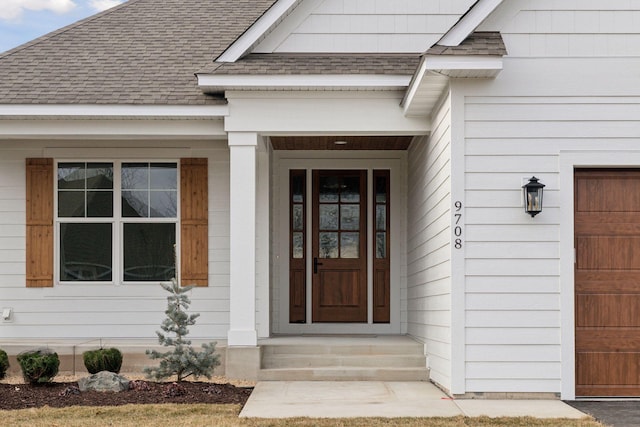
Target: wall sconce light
[532,192]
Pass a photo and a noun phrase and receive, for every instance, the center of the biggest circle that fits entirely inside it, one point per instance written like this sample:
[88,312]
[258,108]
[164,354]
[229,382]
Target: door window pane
[350,217]
[328,245]
[381,217]
[85,252]
[350,189]
[148,252]
[298,218]
[381,189]
[381,245]
[297,188]
[329,189]
[349,245]
[298,245]
[329,217]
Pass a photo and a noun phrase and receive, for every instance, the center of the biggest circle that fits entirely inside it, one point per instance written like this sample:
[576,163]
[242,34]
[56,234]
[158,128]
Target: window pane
[85,252]
[350,189]
[381,217]
[328,245]
[381,189]
[298,218]
[350,217]
[163,204]
[100,204]
[100,175]
[135,204]
[298,245]
[381,245]
[350,245]
[297,188]
[164,176]
[328,217]
[70,175]
[148,252]
[71,204]
[135,176]
[329,186]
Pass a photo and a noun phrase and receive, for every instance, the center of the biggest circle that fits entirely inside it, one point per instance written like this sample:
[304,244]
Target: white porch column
[242,316]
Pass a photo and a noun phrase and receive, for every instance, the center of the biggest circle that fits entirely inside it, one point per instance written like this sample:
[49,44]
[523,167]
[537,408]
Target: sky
[25,20]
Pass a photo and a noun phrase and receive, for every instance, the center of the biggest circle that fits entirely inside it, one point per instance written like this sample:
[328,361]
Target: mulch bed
[57,395]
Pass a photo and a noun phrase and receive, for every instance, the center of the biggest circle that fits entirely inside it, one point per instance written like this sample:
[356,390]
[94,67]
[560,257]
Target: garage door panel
[607,282]
[608,253]
[588,281]
[612,368]
[606,310]
[611,339]
[612,224]
[616,192]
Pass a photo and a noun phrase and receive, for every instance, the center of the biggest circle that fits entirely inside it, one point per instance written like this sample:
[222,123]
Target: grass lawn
[227,415]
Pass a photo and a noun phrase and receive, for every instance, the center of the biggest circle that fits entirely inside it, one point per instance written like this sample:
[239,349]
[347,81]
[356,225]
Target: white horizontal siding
[107,311]
[428,245]
[389,26]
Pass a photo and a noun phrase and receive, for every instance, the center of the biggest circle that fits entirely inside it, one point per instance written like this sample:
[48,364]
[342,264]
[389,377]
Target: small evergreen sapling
[183,361]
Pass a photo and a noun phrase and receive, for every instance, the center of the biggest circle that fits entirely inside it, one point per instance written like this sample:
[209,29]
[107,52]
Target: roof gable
[356,26]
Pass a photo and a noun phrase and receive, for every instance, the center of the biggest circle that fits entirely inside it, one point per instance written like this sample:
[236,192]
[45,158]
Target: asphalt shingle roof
[142,52]
[278,64]
[478,43]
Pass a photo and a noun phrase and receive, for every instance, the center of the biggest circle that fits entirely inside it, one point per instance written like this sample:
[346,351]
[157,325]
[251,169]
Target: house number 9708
[457,231]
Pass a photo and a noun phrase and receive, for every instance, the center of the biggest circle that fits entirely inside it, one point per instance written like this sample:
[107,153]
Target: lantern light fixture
[532,192]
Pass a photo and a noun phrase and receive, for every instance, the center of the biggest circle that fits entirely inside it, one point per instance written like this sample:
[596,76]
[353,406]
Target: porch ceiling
[352,142]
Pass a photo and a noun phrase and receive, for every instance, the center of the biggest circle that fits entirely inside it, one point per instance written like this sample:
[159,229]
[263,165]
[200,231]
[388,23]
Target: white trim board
[113,111]
[469,22]
[257,31]
[210,82]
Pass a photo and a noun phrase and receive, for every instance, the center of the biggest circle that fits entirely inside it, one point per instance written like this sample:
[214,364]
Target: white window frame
[117,221]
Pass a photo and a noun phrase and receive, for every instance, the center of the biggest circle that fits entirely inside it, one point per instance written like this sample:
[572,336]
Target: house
[336,167]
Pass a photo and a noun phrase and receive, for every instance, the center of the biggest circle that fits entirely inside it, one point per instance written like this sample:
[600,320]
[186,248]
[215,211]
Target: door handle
[315,265]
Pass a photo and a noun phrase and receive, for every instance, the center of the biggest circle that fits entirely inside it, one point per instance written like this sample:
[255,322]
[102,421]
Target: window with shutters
[116,222]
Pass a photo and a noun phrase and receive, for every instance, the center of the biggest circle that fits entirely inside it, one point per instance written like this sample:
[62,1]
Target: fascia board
[238,48]
[134,111]
[220,82]
[469,22]
[413,87]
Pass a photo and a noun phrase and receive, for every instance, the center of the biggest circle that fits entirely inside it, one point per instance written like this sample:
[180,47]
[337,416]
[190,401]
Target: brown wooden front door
[339,246]
[607,282]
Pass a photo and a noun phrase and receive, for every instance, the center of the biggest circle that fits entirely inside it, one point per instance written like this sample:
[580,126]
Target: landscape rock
[104,381]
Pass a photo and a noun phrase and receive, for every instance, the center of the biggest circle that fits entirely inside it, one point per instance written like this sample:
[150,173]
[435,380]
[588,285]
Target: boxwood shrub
[103,359]
[38,366]
[4,363]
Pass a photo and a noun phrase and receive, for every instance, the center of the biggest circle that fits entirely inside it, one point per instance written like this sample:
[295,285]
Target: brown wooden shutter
[39,244]
[194,213]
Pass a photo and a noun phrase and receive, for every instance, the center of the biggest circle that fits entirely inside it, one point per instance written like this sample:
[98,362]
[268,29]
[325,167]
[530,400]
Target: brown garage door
[607,300]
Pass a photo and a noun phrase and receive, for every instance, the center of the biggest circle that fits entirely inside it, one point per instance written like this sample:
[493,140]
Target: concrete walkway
[345,399]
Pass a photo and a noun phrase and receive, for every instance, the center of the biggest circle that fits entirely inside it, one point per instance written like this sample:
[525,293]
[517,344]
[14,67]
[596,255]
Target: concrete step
[344,374]
[394,358]
[343,349]
[278,361]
